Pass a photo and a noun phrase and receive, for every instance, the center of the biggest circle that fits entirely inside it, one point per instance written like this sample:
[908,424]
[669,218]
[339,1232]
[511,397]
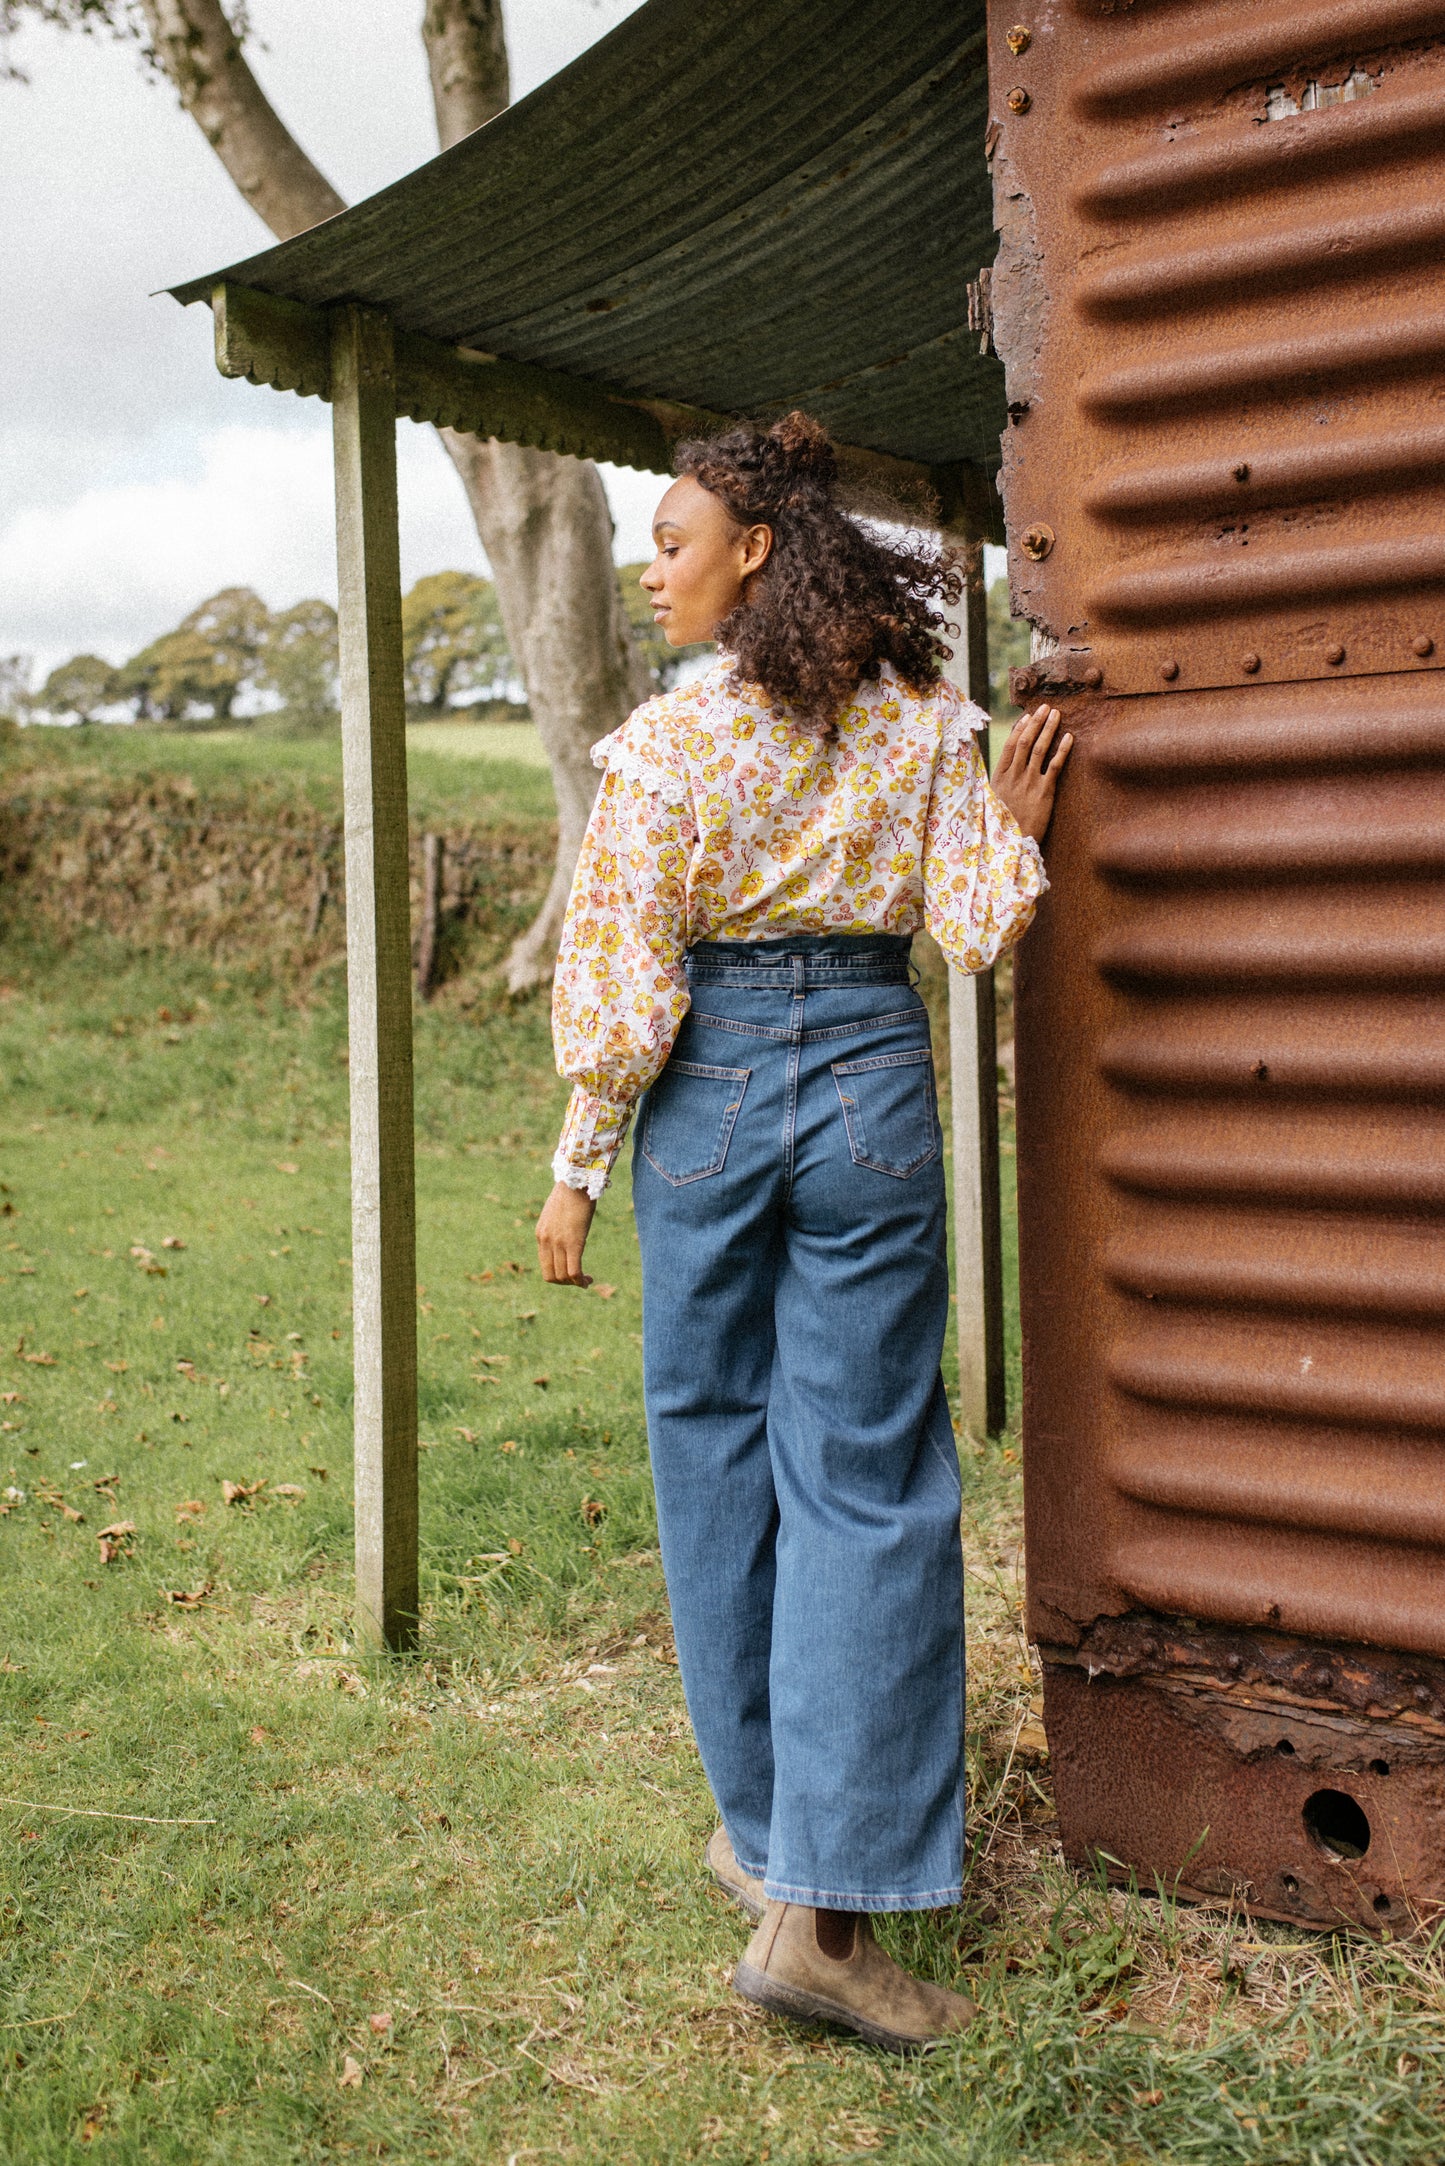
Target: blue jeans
[789,1191]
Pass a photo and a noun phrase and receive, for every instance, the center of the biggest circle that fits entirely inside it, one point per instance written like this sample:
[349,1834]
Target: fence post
[973,1060]
[378,966]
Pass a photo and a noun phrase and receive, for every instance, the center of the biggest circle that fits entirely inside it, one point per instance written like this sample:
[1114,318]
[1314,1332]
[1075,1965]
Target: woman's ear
[757,547]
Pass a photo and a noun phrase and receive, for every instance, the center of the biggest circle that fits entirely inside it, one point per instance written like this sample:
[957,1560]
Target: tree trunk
[546,528]
[543,521]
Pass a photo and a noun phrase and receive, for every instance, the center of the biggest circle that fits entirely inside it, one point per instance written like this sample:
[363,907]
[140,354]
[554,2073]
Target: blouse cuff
[590,1141]
[593,1179]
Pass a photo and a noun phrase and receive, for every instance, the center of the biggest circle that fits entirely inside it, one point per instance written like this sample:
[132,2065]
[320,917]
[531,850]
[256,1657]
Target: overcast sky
[135,479]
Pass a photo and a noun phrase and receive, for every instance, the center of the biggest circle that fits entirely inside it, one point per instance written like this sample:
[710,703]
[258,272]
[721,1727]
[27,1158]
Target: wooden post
[433,850]
[973,1051]
[378,967]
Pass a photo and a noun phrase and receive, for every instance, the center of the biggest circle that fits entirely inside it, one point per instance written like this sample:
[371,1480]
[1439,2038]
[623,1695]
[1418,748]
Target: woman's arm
[620,991]
[982,870]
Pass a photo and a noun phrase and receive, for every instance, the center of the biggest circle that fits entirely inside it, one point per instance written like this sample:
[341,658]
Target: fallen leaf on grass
[479,1278]
[192,1508]
[173,1240]
[509,1446]
[241,1492]
[11,1398]
[288,1489]
[380,2024]
[40,1361]
[116,1540]
[147,1261]
[81,1293]
[263,1301]
[258,1735]
[11,1669]
[494,1361]
[350,2077]
[593,1511]
[603,1291]
[319,1472]
[515,1546]
[119,1367]
[287,1165]
[92,2125]
[190,1598]
[11,1501]
[468,1436]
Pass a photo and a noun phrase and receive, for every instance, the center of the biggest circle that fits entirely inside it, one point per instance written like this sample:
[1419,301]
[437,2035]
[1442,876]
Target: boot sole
[801,2007]
[739,1896]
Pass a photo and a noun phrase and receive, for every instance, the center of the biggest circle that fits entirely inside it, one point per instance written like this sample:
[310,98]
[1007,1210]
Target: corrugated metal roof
[738,204]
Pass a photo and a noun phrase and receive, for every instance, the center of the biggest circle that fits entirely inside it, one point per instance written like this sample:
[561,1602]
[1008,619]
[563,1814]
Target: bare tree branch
[200,51]
[466,50]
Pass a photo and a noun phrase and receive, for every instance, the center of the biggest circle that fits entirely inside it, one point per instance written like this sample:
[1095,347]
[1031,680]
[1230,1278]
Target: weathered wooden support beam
[973,1060]
[362,385]
[269,340]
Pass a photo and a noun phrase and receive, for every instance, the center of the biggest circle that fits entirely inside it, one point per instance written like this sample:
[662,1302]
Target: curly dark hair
[834,601]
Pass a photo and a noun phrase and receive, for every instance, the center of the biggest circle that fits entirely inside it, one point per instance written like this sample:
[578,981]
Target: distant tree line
[233,662]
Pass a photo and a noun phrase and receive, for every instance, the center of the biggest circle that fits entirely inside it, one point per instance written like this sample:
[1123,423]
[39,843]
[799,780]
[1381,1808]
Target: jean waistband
[814,960]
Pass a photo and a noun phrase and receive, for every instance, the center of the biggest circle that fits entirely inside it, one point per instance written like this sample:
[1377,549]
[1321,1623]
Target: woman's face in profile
[704,560]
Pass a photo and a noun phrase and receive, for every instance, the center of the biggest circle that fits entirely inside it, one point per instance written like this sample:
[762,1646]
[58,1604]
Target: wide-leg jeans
[789,1191]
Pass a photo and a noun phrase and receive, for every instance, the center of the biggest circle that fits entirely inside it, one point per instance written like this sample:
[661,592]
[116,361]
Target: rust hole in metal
[1379,1767]
[1337,1823]
[1288,1882]
[1284,1746]
[1381,1904]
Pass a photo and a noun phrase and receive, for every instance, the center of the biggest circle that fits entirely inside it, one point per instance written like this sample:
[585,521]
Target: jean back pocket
[890,1112]
[689,1117]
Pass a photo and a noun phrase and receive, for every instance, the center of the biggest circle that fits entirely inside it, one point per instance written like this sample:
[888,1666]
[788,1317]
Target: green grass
[495,1844]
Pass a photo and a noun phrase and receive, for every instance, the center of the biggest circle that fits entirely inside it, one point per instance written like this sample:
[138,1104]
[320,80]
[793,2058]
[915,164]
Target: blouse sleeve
[982,876]
[620,991]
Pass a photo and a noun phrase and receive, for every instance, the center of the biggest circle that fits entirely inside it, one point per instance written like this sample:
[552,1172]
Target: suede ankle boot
[785,1969]
[746,1892]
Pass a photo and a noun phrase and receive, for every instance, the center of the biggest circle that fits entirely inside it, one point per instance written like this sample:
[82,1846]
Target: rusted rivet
[1019,39]
[1249,663]
[1023,682]
[1423,644]
[1036,542]
[1093,676]
[1335,653]
[1018,101]
[1169,671]
[1241,472]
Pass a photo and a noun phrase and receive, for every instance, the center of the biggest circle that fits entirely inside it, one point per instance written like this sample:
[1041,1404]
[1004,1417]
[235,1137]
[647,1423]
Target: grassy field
[268,1899]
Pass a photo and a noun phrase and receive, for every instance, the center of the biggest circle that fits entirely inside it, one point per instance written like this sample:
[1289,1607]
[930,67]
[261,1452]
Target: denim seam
[810,1037]
[780,1891]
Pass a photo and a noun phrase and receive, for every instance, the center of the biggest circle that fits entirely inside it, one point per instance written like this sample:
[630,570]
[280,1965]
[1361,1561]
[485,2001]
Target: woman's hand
[562,1232]
[1026,776]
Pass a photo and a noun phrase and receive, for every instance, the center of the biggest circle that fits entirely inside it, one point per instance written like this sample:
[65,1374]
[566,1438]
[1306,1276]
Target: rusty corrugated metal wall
[1220,299]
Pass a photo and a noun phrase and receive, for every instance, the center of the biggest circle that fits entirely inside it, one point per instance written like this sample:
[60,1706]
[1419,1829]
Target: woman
[765,844]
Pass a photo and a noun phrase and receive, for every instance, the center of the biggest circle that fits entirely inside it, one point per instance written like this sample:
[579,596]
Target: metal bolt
[1334,654]
[1024,682]
[1169,671]
[1249,663]
[1019,39]
[1036,542]
[1241,472]
[1018,101]
[1423,644]
[1093,676]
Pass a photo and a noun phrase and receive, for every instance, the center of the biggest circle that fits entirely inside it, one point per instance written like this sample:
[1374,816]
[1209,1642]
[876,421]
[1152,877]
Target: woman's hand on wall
[562,1232]
[1028,769]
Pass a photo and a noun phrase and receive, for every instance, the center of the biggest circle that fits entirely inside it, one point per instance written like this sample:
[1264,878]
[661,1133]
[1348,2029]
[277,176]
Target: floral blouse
[718,820]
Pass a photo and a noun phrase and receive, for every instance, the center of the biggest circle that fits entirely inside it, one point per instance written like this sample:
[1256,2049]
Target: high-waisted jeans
[789,1190]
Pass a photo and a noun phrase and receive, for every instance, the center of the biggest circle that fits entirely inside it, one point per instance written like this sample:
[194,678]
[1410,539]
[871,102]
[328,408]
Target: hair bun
[805,455]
